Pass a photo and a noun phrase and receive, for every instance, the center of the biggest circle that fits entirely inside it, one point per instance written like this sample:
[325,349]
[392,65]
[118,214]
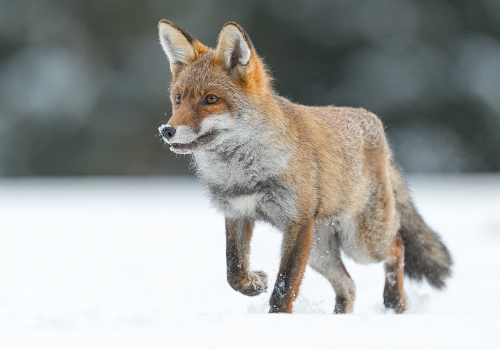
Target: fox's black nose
[167,131]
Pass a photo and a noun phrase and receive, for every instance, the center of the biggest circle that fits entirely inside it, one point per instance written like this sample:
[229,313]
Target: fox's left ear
[234,47]
[180,47]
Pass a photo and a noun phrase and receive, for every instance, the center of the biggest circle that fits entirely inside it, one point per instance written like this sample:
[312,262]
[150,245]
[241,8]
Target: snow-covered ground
[120,263]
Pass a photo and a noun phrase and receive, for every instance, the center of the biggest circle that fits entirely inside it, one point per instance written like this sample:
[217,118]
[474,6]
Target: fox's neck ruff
[245,167]
[243,154]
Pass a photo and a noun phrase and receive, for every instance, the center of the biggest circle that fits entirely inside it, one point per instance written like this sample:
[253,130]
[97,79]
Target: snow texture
[140,264]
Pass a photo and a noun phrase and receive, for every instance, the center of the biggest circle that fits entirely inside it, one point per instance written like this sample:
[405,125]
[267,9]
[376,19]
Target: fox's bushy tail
[425,255]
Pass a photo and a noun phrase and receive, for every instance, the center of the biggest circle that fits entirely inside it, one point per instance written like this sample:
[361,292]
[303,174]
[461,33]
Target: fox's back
[347,149]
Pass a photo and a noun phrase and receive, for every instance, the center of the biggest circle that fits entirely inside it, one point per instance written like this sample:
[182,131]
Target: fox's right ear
[179,46]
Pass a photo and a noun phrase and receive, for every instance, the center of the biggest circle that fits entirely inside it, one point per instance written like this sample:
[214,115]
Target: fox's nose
[167,131]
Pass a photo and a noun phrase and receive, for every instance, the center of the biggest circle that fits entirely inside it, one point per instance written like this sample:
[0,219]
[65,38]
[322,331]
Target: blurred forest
[83,84]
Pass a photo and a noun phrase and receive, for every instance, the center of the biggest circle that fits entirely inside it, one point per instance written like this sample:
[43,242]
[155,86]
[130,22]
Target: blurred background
[83,84]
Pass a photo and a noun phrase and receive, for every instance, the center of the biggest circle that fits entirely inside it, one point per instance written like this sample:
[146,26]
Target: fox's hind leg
[325,258]
[394,296]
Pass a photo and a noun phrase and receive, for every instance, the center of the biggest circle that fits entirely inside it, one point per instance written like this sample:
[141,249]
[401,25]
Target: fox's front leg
[297,241]
[238,236]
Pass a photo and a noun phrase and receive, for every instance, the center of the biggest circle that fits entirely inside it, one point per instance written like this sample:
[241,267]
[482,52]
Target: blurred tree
[83,84]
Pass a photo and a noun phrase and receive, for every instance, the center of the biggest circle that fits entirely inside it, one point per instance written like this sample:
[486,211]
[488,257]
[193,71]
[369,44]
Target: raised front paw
[252,283]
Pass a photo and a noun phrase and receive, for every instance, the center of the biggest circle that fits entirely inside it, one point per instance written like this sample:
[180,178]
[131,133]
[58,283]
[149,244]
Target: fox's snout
[167,131]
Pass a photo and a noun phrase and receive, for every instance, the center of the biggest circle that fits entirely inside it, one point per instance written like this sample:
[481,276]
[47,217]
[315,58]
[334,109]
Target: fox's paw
[251,284]
[397,303]
[343,305]
[256,283]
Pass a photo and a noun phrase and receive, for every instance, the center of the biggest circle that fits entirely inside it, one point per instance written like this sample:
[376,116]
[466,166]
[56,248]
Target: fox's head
[213,91]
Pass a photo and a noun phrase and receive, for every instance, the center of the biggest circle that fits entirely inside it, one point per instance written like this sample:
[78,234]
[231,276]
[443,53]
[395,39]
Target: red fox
[324,176]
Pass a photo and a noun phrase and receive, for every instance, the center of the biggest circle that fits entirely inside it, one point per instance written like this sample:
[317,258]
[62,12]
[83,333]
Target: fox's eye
[178,99]
[211,99]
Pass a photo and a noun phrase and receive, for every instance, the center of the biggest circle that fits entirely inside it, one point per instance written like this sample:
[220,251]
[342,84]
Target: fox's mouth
[200,141]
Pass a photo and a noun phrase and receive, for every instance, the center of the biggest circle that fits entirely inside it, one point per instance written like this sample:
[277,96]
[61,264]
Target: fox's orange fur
[324,176]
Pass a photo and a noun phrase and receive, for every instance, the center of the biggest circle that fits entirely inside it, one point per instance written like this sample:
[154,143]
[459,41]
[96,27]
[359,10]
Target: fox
[323,176]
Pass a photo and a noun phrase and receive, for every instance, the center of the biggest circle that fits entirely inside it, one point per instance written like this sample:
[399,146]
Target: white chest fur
[245,205]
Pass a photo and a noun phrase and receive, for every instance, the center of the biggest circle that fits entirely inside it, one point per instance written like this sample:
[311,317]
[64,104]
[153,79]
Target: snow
[139,263]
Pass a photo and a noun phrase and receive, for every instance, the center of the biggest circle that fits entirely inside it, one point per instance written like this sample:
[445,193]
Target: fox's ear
[234,47]
[181,48]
